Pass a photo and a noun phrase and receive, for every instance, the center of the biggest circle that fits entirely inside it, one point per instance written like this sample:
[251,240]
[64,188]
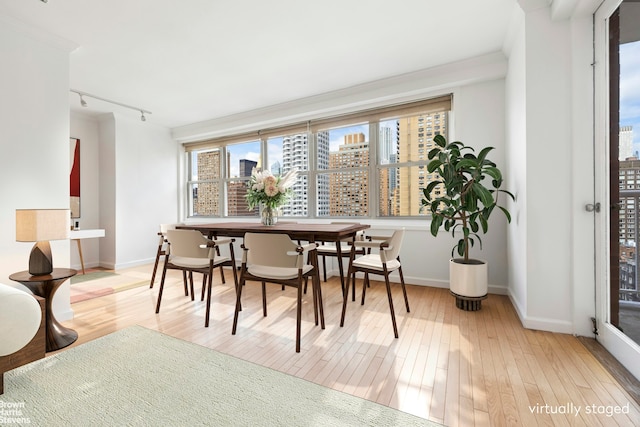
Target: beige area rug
[98,283]
[140,377]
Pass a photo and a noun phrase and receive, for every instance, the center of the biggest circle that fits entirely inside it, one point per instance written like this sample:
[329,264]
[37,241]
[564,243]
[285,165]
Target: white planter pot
[468,283]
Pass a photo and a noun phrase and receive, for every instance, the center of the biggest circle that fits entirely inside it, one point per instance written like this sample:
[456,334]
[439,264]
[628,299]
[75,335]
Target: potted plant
[461,201]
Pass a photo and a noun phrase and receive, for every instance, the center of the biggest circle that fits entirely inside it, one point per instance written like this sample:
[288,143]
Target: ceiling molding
[38,34]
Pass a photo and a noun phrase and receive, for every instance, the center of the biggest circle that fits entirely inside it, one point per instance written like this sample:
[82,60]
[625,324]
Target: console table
[45,286]
[77,235]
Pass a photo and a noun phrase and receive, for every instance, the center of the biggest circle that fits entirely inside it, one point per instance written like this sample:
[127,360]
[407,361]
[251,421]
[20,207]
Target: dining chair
[275,258]
[161,250]
[382,263]
[189,251]
[330,249]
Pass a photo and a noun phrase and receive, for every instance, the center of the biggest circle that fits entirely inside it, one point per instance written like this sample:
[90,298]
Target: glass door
[617,75]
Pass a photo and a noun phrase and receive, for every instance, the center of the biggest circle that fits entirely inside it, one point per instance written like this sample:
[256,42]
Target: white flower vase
[268,215]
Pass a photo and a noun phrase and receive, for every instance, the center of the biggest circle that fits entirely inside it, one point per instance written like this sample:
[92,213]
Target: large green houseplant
[461,200]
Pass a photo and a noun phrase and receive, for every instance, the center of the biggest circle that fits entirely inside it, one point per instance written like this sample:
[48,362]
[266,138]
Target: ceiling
[194,60]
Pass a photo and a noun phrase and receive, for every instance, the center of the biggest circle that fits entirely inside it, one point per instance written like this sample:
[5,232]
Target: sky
[630,89]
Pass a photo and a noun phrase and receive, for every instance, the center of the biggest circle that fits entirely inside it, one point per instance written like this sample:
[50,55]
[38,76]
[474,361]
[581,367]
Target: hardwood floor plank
[450,366]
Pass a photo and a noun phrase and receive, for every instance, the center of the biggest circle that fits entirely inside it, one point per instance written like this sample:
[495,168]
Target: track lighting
[84,103]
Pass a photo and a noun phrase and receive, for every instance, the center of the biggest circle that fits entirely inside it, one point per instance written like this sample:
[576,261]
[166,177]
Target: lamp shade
[36,225]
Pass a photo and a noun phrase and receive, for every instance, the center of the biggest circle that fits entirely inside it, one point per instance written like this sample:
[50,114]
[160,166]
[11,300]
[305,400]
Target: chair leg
[184,281]
[209,282]
[318,285]
[393,313]
[204,285]
[345,294]
[155,266]
[264,299]
[164,275]
[299,314]
[324,267]
[404,289]
[222,275]
[191,285]
[365,285]
[238,296]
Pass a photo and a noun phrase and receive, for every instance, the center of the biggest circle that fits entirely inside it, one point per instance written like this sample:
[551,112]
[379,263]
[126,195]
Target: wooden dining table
[311,232]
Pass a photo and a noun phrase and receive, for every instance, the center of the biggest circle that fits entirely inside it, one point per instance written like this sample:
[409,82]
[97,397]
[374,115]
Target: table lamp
[40,226]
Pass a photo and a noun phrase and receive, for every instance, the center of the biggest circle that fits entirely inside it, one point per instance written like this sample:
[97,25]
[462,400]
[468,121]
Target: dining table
[308,231]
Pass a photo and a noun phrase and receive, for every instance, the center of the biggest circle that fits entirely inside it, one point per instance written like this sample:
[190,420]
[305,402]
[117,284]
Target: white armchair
[20,319]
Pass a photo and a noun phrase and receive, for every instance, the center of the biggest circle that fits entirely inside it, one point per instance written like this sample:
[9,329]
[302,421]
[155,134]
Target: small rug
[140,377]
[99,283]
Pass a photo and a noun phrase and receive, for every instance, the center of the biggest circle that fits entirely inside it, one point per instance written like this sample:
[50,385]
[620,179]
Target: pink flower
[271,186]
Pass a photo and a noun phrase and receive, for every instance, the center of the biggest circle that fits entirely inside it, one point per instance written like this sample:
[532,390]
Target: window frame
[372,117]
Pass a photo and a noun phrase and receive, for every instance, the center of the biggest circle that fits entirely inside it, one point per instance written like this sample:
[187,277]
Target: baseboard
[539,323]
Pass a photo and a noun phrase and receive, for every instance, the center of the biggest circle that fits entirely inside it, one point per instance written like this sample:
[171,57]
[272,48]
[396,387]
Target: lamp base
[40,261]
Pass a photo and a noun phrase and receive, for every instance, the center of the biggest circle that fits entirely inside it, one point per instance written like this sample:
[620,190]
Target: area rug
[140,377]
[99,283]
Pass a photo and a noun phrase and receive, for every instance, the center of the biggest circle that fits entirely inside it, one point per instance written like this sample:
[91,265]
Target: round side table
[45,286]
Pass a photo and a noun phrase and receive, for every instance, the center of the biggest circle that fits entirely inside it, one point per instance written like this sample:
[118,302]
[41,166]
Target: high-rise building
[237,191]
[246,167]
[295,156]
[206,195]
[295,150]
[625,142]
[276,168]
[387,176]
[415,139]
[349,189]
[322,184]
[628,217]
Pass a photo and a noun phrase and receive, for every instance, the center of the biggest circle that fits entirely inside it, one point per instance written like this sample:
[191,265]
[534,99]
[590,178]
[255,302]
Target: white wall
[34,139]
[138,188]
[549,123]
[516,125]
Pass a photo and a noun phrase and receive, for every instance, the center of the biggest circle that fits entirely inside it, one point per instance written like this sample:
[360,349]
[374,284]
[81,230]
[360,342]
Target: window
[342,181]
[365,164]
[203,185]
[242,158]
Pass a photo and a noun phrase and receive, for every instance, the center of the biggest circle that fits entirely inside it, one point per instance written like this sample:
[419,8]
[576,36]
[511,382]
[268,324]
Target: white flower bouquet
[268,189]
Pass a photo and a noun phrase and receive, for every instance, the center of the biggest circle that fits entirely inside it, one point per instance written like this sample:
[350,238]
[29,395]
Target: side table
[45,286]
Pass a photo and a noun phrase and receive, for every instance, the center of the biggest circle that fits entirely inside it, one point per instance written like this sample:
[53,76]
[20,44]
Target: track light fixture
[84,103]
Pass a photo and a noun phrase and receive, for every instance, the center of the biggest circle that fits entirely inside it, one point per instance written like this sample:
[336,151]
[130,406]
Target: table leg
[80,252]
[57,335]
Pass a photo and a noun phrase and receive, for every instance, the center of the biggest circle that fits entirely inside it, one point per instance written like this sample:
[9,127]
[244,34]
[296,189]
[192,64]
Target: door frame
[617,343]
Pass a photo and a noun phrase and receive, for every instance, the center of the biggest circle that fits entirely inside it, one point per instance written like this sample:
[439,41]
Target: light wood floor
[449,366]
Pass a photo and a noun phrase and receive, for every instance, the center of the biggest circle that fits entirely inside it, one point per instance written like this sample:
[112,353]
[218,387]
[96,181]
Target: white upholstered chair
[162,244]
[275,258]
[190,251]
[330,249]
[382,263]
[20,318]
